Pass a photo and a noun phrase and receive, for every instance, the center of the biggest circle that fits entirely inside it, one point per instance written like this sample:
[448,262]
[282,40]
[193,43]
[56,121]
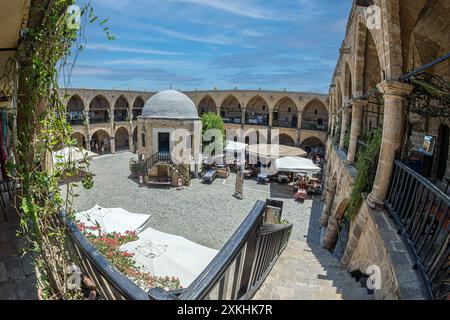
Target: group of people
[98,146]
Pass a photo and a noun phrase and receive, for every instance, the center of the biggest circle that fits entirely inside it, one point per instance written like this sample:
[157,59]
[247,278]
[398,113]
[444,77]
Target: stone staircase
[305,271]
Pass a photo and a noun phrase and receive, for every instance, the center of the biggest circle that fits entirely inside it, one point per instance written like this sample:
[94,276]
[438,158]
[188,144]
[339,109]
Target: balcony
[97,120]
[121,118]
[285,123]
[257,121]
[313,125]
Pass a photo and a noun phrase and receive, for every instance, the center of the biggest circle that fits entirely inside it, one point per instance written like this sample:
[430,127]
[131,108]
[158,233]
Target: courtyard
[205,214]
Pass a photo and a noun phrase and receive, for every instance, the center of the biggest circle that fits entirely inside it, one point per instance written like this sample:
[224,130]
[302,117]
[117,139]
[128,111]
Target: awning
[296,164]
[275,151]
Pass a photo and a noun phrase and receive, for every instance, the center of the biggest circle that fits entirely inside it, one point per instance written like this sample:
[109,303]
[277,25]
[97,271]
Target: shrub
[367,168]
[136,167]
[108,244]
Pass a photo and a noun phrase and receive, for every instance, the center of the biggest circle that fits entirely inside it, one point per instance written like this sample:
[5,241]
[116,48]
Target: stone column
[345,122]
[218,111]
[299,121]
[331,193]
[130,142]
[270,118]
[356,128]
[113,144]
[333,125]
[113,134]
[88,130]
[243,117]
[395,93]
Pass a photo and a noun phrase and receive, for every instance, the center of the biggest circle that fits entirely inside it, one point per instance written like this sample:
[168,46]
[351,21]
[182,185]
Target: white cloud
[112,48]
[211,39]
[240,8]
[156,62]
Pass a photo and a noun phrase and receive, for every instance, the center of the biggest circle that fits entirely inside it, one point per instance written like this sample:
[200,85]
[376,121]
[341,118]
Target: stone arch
[257,111]
[121,107]
[206,104]
[138,106]
[75,110]
[286,140]
[101,137]
[372,75]
[135,137]
[315,116]
[348,89]
[231,110]
[423,30]
[99,110]
[121,138]
[360,62]
[340,210]
[313,142]
[285,113]
[80,139]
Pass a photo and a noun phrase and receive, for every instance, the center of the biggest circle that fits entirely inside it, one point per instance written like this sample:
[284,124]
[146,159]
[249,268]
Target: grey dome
[170,104]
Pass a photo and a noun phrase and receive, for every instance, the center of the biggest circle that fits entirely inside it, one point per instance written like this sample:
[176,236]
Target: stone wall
[373,241]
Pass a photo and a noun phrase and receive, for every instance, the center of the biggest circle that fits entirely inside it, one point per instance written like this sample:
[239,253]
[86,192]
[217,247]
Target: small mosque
[169,139]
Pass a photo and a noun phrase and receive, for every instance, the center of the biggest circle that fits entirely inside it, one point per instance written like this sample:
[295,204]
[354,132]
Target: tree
[212,121]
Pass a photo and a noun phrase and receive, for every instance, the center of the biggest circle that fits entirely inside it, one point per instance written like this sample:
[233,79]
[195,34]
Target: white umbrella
[162,254]
[275,151]
[72,154]
[234,146]
[114,219]
[296,164]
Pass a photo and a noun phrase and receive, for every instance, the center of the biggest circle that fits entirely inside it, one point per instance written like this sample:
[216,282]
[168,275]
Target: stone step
[310,272]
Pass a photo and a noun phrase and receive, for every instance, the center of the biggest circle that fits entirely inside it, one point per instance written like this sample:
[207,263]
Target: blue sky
[202,44]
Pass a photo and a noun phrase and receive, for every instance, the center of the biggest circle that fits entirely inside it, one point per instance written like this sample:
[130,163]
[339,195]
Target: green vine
[367,168]
[41,61]
[430,96]
[337,132]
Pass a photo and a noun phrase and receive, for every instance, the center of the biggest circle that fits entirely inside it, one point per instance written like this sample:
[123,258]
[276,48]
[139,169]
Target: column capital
[358,102]
[394,88]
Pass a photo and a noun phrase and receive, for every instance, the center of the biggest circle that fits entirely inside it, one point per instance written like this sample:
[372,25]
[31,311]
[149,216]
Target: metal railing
[237,271]
[421,211]
[110,283]
[166,157]
[313,126]
[284,124]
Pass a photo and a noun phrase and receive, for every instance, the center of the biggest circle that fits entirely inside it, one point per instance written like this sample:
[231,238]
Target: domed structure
[170,104]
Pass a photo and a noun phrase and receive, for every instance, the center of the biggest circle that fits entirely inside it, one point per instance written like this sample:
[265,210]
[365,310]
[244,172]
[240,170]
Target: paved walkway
[205,214]
[17,274]
[209,214]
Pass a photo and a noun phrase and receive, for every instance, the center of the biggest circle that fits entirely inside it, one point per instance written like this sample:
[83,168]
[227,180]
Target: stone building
[169,136]
[391,48]
[301,119]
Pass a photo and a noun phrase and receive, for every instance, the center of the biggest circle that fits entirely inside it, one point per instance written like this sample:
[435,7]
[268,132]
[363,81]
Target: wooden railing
[421,211]
[236,272]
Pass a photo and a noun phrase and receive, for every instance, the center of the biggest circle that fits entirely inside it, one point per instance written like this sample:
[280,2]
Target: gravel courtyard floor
[205,214]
